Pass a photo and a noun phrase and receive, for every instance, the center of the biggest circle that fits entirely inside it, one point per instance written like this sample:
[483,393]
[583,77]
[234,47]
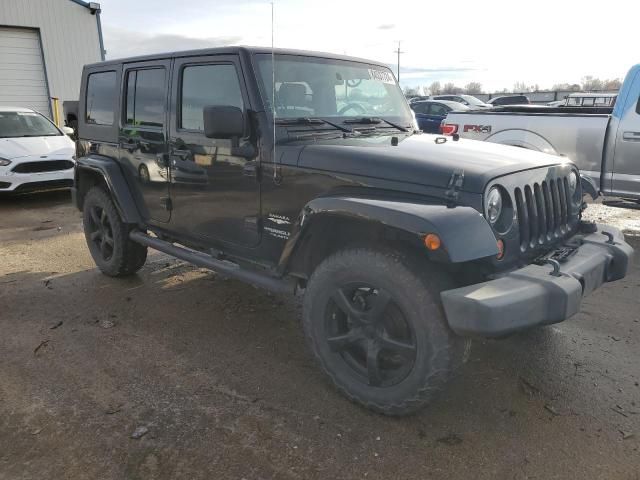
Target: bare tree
[435,88]
[450,88]
[591,83]
[613,84]
[472,88]
[411,91]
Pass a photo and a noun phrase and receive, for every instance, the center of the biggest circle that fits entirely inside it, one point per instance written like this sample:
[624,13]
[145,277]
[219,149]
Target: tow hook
[609,236]
[555,264]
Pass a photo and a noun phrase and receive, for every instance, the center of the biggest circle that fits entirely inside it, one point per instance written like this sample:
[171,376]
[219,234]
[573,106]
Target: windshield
[25,124]
[320,87]
[472,100]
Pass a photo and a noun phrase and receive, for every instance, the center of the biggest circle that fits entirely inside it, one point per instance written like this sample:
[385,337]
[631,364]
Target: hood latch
[455,184]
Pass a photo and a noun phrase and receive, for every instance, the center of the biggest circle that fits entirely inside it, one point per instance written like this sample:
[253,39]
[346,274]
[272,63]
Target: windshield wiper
[311,121]
[375,121]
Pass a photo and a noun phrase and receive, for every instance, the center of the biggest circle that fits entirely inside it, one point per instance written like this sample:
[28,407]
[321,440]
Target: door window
[146,97]
[101,98]
[438,109]
[421,108]
[204,85]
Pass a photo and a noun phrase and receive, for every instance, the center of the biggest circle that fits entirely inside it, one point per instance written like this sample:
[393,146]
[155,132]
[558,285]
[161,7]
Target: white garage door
[22,79]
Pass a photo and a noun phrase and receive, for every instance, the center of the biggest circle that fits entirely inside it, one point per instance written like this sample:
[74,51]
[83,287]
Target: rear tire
[375,324]
[108,237]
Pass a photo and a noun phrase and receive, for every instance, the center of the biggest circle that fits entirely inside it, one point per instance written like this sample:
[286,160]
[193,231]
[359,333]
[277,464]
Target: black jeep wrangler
[304,172]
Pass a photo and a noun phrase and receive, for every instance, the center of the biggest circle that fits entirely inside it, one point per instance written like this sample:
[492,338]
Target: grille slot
[43,166]
[544,212]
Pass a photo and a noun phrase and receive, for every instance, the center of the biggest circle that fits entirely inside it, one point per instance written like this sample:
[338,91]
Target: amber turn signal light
[432,241]
[500,254]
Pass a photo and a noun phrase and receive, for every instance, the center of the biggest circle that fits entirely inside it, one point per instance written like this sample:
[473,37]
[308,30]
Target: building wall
[69,34]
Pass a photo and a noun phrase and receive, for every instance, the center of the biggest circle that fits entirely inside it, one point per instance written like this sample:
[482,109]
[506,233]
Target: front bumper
[12,181]
[533,295]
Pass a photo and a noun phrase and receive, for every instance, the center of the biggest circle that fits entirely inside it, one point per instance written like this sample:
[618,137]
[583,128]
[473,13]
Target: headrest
[292,95]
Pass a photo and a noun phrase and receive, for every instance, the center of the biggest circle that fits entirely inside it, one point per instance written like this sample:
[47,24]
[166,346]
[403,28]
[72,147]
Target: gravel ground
[213,379]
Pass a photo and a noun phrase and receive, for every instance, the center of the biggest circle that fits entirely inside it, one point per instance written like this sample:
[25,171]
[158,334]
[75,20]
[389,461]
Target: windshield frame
[33,113]
[406,118]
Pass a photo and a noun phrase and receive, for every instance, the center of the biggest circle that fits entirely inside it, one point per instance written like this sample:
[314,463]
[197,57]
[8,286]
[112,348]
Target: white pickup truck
[604,144]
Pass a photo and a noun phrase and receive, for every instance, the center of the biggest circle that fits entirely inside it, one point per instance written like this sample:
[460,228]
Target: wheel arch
[331,223]
[105,172]
[517,137]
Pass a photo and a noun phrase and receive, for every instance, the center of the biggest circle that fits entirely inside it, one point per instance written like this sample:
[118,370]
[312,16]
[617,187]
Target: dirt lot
[217,374]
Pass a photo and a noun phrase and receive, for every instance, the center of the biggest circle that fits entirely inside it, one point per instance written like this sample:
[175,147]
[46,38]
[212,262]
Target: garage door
[22,79]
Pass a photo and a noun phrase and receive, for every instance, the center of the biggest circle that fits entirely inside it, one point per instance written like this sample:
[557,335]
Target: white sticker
[383,76]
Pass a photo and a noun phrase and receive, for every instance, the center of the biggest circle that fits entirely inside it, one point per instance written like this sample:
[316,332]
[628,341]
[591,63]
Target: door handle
[631,136]
[250,169]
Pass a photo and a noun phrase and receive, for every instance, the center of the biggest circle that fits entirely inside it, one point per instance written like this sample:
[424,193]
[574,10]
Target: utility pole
[398,51]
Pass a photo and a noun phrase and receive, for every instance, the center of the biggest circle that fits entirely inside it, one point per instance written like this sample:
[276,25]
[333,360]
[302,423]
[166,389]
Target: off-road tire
[413,286]
[125,257]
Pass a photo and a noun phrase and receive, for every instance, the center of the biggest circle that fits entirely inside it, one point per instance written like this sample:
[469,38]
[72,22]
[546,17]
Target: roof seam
[81,3]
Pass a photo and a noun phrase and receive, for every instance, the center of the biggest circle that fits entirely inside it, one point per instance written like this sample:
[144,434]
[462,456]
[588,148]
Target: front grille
[43,166]
[49,185]
[544,212]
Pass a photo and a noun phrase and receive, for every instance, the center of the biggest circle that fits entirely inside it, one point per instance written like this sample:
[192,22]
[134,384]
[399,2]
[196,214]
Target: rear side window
[101,98]
[204,85]
[146,97]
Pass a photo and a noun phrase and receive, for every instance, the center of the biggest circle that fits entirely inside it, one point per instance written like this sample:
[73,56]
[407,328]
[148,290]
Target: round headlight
[494,205]
[573,183]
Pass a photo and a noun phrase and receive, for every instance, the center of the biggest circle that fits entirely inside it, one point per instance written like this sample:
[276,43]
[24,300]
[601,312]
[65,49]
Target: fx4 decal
[477,128]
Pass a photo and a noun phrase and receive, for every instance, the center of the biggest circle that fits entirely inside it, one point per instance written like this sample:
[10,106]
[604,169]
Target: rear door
[626,159]
[142,137]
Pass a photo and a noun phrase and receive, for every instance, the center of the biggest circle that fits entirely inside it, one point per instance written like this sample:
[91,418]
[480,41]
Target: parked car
[34,153]
[605,145]
[417,98]
[403,244]
[509,100]
[431,113]
[468,100]
[591,99]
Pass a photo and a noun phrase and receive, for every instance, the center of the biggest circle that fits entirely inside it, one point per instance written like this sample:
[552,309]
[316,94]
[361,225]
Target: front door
[215,195]
[626,159]
[142,138]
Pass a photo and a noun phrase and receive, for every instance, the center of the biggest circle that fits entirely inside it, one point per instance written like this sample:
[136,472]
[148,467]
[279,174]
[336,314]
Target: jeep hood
[419,159]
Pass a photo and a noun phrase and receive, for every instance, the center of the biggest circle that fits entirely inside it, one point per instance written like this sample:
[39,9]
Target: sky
[496,42]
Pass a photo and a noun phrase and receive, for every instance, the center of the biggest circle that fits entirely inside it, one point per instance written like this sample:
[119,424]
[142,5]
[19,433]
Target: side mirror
[223,122]
[67,131]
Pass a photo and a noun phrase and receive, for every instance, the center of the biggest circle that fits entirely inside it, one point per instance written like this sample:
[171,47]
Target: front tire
[375,324]
[108,237]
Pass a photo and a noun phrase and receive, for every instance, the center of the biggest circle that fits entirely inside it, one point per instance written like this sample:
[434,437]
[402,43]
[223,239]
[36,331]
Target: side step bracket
[228,269]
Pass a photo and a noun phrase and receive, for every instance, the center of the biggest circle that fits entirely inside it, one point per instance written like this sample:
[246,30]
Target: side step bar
[262,280]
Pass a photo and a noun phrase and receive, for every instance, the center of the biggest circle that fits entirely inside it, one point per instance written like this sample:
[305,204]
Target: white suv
[34,153]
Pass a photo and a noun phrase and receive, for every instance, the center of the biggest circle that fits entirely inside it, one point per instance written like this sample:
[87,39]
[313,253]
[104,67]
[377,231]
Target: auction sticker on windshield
[382,75]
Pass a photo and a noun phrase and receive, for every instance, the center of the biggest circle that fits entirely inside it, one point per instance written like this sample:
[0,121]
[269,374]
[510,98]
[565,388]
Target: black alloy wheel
[371,334]
[101,232]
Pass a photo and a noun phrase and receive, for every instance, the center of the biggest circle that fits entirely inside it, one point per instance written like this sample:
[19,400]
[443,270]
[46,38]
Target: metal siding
[69,35]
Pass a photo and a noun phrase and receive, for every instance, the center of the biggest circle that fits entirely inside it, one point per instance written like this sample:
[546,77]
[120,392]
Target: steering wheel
[352,106]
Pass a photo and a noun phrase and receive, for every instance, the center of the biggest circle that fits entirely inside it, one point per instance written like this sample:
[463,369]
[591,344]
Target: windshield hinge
[455,184]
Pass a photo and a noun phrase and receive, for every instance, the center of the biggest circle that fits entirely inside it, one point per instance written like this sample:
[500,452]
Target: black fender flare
[109,170]
[464,233]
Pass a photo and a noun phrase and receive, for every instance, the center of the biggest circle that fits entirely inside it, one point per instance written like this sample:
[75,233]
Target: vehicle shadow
[35,199]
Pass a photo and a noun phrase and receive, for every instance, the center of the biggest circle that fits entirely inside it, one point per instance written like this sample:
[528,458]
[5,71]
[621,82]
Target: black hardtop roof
[231,51]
